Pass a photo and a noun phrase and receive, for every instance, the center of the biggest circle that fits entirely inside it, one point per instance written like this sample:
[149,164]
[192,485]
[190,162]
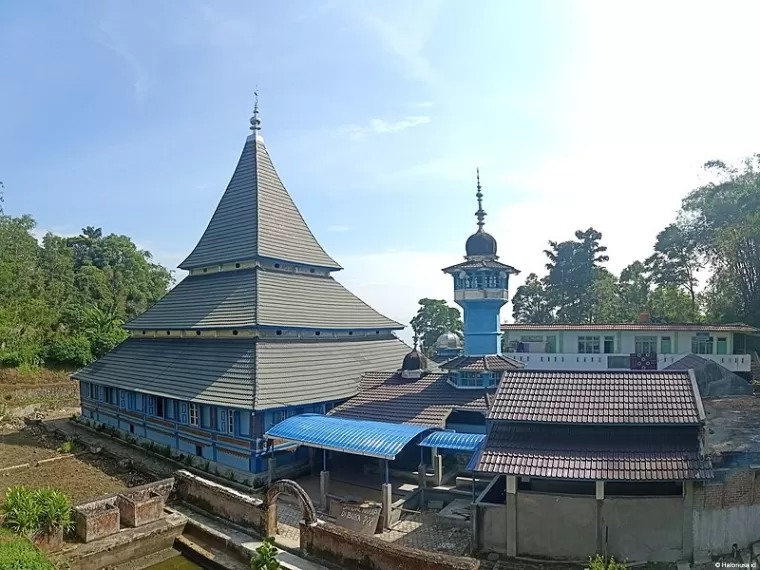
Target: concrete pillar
[272,469]
[599,519]
[511,515]
[437,470]
[688,521]
[387,499]
[421,476]
[324,488]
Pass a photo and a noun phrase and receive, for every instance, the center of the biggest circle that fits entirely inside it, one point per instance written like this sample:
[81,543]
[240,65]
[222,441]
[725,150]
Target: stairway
[755,367]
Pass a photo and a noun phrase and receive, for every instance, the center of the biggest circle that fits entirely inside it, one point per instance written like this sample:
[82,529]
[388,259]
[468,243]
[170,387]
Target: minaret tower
[480,288]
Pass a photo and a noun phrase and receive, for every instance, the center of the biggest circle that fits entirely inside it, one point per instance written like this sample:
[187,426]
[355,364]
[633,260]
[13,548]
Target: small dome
[480,243]
[448,340]
[414,361]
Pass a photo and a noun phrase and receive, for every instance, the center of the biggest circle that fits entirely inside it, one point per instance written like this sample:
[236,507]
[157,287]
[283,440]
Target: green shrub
[67,447]
[12,359]
[27,512]
[598,563]
[56,510]
[18,553]
[74,350]
[266,556]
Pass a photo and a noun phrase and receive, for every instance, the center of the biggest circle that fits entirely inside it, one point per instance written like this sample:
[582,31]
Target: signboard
[361,518]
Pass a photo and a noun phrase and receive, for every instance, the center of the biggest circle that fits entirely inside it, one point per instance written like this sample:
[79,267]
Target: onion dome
[448,340]
[480,243]
[414,361]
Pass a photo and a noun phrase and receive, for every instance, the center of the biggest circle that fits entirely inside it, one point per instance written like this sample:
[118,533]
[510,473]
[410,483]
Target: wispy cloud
[422,105]
[381,127]
[339,229]
[107,37]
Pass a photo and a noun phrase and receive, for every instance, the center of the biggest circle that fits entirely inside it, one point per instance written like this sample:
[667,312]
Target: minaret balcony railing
[481,282]
[480,294]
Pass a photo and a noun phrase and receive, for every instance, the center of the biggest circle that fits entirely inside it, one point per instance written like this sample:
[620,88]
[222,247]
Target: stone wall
[222,501]
[726,512]
[350,550]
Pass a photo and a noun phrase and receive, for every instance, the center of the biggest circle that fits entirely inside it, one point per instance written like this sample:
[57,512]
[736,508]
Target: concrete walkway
[243,543]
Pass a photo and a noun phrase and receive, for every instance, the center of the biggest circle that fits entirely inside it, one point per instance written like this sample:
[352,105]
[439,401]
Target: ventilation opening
[168,332]
[350,333]
[198,333]
[237,266]
[234,333]
[278,333]
[145,332]
[276,265]
[377,332]
[311,271]
[131,428]
[205,270]
[317,333]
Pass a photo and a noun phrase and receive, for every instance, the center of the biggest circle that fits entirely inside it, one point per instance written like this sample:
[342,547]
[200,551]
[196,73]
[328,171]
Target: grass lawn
[17,553]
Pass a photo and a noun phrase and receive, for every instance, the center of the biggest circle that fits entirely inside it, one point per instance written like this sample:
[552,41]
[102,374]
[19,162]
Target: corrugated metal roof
[596,397]
[733,327]
[590,453]
[258,297]
[481,264]
[357,437]
[454,441]
[428,401]
[256,217]
[244,373]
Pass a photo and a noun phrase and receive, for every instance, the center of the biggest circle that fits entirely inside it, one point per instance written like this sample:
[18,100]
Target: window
[588,344]
[531,338]
[609,344]
[198,448]
[645,345]
[231,422]
[470,379]
[193,414]
[702,344]
[280,416]
[160,408]
[722,345]
[122,399]
[551,344]
[132,401]
[665,345]
[108,397]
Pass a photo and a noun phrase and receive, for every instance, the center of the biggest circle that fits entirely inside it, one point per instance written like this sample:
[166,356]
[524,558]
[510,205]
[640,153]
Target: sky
[130,116]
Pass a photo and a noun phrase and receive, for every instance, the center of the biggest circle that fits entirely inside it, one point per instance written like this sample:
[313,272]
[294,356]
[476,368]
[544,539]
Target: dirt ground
[86,476]
[13,378]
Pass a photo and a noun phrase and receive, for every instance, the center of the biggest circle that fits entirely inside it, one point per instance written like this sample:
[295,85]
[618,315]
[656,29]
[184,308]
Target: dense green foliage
[599,563]
[718,228]
[31,511]
[266,556]
[63,300]
[433,318]
[17,553]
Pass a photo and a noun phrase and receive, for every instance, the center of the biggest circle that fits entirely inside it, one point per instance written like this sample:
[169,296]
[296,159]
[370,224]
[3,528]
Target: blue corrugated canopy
[358,437]
[466,442]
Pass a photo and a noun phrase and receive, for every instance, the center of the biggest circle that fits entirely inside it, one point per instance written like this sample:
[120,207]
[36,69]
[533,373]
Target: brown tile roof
[733,327]
[597,397]
[482,264]
[385,396]
[588,453]
[495,362]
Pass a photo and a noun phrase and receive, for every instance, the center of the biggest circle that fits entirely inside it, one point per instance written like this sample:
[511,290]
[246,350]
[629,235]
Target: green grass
[17,553]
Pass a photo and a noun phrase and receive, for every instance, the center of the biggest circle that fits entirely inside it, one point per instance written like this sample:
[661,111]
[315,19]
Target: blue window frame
[122,399]
[132,401]
[151,405]
[183,412]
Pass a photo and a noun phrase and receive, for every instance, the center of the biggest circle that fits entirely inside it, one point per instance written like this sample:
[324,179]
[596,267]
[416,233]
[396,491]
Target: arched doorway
[287,505]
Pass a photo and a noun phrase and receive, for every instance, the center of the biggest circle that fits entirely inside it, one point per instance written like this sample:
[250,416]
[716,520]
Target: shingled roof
[256,217]
[598,397]
[687,327]
[593,453]
[243,373]
[428,401]
[257,297]
[492,362]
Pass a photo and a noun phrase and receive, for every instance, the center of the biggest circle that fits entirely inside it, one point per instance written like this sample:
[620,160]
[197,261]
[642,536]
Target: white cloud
[380,127]
[339,229]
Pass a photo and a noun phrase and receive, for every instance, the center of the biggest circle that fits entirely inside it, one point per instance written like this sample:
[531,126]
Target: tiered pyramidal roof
[257,273]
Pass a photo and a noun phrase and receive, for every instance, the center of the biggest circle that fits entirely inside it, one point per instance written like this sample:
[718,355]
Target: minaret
[480,288]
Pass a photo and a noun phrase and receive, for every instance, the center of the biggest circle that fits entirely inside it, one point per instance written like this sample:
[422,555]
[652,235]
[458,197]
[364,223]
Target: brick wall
[739,488]
[349,550]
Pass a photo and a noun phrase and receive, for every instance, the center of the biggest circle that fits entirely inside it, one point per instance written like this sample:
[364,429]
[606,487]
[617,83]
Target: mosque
[260,331]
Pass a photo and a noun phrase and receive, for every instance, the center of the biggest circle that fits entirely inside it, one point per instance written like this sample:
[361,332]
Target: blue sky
[131,116]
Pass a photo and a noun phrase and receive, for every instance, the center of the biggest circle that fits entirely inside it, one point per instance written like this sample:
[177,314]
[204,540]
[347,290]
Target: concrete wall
[491,523]
[556,526]
[726,513]
[349,550]
[643,528]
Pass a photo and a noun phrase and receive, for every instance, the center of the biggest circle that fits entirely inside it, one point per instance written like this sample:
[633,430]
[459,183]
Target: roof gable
[256,217]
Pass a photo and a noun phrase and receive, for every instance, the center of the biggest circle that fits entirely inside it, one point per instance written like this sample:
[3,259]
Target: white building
[625,346]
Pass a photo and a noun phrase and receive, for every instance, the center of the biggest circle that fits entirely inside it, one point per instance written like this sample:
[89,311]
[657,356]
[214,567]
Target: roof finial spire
[255,120]
[480,214]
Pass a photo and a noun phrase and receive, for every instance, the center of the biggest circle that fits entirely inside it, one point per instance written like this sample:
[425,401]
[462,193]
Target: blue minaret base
[482,330]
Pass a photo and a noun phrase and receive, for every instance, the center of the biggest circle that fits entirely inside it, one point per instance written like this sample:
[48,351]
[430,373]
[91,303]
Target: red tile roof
[598,398]
[495,363]
[385,396]
[589,453]
[696,327]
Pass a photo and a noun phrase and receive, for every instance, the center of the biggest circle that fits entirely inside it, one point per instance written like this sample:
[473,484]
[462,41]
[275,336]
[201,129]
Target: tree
[634,289]
[675,261]
[433,318]
[531,303]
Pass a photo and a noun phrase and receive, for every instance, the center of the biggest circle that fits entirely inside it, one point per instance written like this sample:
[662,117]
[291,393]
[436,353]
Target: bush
[17,553]
[27,512]
[266,556]
[12,359]
[67,447]
[598,563]
[75,350]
